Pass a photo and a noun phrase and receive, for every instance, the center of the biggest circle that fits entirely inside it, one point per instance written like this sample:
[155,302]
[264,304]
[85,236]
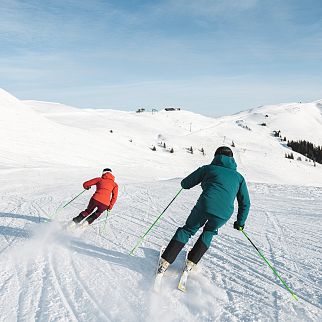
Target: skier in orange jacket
[103,199]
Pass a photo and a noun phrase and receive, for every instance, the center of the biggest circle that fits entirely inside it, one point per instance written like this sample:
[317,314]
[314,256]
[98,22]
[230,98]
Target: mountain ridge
[56,134]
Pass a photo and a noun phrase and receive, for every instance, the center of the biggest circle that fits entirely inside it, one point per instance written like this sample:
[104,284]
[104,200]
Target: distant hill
[39,134]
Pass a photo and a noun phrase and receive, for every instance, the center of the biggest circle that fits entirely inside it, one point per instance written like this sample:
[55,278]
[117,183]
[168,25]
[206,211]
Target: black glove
[88,188]
[237,226]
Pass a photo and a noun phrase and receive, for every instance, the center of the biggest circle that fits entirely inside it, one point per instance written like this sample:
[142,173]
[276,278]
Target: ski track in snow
[48,274]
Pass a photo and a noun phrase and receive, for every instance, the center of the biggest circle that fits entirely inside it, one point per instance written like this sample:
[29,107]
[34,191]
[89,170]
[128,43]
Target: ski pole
[73,199]
[107,214]
[140,240]
[104,225]
[61,207]
[98,221]
[270,266]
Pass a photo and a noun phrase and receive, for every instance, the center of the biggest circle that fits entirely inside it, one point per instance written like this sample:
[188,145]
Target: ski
[100,221]
[158,276]
[185,273]
[183,281]
[72,227]
[84,225]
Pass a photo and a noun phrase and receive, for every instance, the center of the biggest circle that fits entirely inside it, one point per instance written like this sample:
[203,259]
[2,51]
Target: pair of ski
[72,226]
[183,278]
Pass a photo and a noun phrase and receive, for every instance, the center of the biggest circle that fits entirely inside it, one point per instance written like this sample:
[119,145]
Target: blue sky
[208,56]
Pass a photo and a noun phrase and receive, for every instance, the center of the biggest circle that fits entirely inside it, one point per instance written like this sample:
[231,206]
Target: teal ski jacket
[221,184]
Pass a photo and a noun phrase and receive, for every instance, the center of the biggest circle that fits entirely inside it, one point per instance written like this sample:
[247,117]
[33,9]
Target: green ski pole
[61,207]
[140,240]
[55,213]
[73,199]
[104,225]
[270,266]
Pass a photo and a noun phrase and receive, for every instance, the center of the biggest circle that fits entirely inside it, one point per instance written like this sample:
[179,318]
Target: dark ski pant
[92,205]
[195,221]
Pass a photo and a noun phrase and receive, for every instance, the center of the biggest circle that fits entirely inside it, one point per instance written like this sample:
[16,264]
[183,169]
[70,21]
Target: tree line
[308,149]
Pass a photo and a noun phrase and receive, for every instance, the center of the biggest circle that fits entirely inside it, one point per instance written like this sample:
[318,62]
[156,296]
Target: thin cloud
[211,8]
[114,53]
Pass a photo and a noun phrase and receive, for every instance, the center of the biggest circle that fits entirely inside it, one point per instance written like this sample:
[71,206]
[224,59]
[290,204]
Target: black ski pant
[195,221]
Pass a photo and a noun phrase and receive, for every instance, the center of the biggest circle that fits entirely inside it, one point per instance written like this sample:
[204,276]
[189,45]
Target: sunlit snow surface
[49,274]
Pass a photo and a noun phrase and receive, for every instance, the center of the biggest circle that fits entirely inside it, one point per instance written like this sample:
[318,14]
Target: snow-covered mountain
[55,134]
[47,274]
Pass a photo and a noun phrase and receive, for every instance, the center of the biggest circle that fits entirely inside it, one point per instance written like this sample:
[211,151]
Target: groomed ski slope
[48,274]
[47,150]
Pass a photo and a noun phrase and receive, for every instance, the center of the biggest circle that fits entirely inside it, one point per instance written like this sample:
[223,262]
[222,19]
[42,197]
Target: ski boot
[78,219]
[91,218]
[71,225]
[189,266]
[163,266]
[184,276]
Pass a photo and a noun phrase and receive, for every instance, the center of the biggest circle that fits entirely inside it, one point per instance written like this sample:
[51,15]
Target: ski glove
[237,226]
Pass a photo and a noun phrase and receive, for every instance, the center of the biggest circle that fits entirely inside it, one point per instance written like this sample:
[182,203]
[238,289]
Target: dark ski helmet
[225,150]
[107,170]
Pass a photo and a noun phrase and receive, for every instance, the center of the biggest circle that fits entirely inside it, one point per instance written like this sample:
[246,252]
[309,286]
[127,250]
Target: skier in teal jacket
[221,184]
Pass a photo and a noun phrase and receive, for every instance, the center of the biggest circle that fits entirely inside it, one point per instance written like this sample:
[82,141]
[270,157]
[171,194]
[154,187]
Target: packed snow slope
[49,274]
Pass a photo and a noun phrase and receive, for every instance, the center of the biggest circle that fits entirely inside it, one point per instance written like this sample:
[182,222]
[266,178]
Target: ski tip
[70,226]
[181,288]
[156,290]
[157,283]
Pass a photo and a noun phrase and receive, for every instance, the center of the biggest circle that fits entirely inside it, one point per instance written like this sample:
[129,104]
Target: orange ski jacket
[106,189]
